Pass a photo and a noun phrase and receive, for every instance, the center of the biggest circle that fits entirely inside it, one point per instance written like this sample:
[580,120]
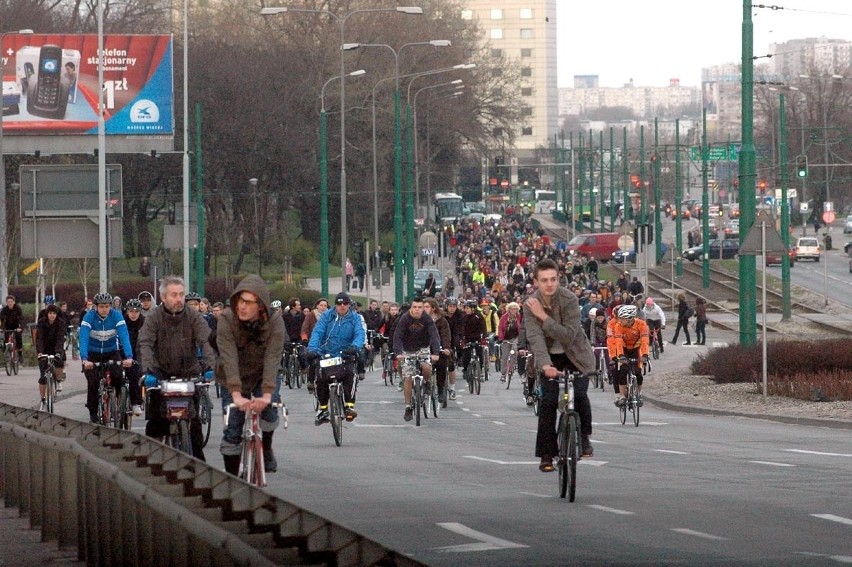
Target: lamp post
[410,247]
[253,183]
[324,184]
[397,189]
[341,20]
[4,258]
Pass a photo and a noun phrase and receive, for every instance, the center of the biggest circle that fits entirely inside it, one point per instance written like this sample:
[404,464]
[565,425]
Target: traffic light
[801,166]
[762,186]
[359,250]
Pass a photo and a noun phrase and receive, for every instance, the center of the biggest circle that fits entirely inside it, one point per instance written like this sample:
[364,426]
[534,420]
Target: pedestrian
[700,321]
[684,312]
[349,272]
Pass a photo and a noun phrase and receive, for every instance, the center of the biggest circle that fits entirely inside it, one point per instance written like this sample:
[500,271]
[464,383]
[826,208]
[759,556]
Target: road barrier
[124,499]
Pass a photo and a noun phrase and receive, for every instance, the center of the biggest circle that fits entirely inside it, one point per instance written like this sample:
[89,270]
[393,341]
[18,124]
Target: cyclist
[50,339]
[102,332]
[507,333]
[147,301]
[626,337]
[373,319]
[161,356]
[276,306]
[193,301]
[310,321]
[472,333]
[293,320]
[134,320]
[552,323]
[414,334]
[339,331]
[656,319]
[430,307]
[492,322]
[250,339]
[12,320]
[455,318]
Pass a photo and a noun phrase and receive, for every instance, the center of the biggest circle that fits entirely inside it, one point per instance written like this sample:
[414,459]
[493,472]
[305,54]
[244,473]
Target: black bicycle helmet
[470,303]
[192,296]
[134,304]
[103,298]
[451,301]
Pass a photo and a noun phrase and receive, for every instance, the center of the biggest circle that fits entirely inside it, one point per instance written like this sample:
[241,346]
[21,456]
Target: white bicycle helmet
[626,312]
[276,304]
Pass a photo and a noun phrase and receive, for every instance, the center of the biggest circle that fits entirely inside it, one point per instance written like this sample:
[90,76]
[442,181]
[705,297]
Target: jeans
[545,442]
[233,436]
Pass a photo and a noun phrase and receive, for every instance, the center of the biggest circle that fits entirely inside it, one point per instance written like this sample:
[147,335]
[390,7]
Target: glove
[350,351]
[208,376]
[151,381]
[621,360]
[645,359]
[311,356]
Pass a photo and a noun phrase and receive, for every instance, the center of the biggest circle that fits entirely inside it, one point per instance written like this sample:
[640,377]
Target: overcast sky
[652,41]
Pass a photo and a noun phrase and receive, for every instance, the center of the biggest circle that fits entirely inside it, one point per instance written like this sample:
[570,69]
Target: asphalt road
[464,489]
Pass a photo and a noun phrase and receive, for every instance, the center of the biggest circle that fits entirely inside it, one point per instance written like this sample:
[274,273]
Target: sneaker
[687,344]
[399,386]
[452,394]
[639,401]
[136,409]
[546,464]
[93,418]
[350,414]
[310,386]
[587,446]
[322,417]
[503,378]
[619,403]
[530,401]
[409,413]
[58,387]
[361,376]
[42,405]
[270,465]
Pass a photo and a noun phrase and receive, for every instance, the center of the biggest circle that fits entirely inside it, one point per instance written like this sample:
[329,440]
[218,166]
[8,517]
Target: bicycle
[632,402]
[473,372]
[50,382]
[390,368]
[179,402]
[292,370]
[251,455]
[568,435]
[511,362]
[11,354]
[418,386]
[654,338]
[71,341]
[333,367]
[123,418]
[601,367]
[205,410]
[108,413]
[371,352]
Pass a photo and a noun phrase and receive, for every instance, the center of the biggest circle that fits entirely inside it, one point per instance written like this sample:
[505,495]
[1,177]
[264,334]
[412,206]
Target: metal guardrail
[125,499]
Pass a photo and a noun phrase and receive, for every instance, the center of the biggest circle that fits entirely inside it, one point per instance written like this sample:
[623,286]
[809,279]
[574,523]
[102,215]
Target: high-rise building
[524,32]
[804,56]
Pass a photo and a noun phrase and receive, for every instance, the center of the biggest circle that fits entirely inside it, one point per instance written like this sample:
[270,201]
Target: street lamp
[397,189]
[324,184]
[4,258]
[341,20]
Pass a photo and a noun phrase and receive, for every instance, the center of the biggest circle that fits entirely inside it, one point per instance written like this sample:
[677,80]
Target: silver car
[808,247]
[847,228]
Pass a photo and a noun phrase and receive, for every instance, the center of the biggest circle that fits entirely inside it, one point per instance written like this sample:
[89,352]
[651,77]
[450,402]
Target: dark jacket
[682,308]
[50,338]
[12,318]
[169,343]
[293,323]
[444,332]
[133,327]
[563,326]
[456,322]
[474,327]
[411,335]
[373,319]
[249,352]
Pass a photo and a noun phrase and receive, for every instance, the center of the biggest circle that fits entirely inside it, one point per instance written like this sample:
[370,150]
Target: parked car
[847,228]
[620,257]
[773,258]
[420,279]
[727,248]
[601,245]
[808,247]
[732,228]
[847,248]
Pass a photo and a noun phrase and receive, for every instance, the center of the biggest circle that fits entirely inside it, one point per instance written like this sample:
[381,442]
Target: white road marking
[671,452]
[586,461]
[770,463]
[376,402]
[380,425]
[498,423]
[837,558]
[833,518]
[475,415]
[465,409]
[537,495]
[484,542]
[686,531]
[498,462]
[818,453]
[610,510]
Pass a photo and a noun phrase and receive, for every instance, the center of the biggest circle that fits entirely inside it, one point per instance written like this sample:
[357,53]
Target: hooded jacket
[562,326]
[250,351]
[169,343]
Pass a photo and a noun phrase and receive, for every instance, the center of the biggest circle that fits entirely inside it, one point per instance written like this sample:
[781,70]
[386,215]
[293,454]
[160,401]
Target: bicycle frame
[179,401]
[107,402]
[418,385]
[632,402]
[50,379]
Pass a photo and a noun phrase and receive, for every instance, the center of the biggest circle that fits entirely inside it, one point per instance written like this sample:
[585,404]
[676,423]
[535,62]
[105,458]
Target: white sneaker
[58,387]
[137,409]
[399,385]
[452,394]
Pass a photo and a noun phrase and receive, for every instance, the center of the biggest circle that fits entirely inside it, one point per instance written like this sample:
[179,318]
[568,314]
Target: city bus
[545,200]
[449,208]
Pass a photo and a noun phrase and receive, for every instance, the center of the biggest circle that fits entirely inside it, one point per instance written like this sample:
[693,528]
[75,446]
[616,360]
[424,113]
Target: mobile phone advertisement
[50,84]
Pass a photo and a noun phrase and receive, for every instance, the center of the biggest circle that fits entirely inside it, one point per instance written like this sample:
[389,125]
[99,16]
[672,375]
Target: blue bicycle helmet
[49,300]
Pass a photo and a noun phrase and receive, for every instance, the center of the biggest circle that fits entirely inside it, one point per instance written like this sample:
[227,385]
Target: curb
[810,421]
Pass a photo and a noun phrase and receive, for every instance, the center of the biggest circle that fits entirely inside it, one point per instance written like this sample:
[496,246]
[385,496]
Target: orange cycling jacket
[620,337]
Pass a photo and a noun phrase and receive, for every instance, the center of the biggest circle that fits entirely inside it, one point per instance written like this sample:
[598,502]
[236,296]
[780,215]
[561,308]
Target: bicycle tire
[418,404]
[469,376]
[655,350]
[121,417]
[291,371]
[536,397]
[475,375]
[245,470]
[335,411]
[436,405]
[387,369]
[573,457]
[114,413]
[184,438]
[425,396]
[634,404]
[205,414]
[7,359]
[258,478]
[562,454]
[16,362]
[299,378]
[497,362]
[604,375]
[50,395]
[622,412]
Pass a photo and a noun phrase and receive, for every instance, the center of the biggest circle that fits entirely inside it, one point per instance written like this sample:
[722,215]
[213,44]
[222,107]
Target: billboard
[50,92]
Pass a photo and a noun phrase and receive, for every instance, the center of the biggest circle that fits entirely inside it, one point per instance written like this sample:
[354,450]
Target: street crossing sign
[753,243]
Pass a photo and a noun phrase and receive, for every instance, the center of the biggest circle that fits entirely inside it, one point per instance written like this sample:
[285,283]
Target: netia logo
[144,111]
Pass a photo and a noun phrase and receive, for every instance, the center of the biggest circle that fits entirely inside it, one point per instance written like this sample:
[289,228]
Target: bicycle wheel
[205,414]
[655,349]
[16,361]
[622,411]
[510,369]
[122,416]
[7,359]
[425,395]
[335,410]
[469,376]
[497,362]
[634,404]
[291,371]
[50,395]
[562,454]
[418,402]
[298,378]
[604,375]
[573,457]
[537,397]
[258,476]
[433,401]
[114,413]
[477,379]
[184,440]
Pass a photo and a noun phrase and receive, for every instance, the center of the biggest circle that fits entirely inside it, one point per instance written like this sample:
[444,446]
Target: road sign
[753,243]
[828,217]
[626,228]
[625,243]
[716,153]
[31,268]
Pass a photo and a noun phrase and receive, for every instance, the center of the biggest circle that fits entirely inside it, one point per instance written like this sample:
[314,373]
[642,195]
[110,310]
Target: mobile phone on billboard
[47,95]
